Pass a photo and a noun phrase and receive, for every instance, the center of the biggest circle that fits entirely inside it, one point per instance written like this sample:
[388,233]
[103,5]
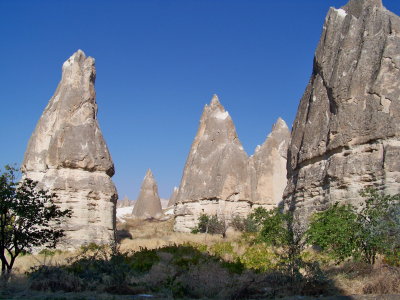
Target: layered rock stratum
[148,204]
[217,178]
[346,133]
[67,155]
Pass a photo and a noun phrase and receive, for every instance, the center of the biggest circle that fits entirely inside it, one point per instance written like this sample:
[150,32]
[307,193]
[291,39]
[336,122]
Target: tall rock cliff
[148,204]
[268,167]
[68,156]
[215,178]
[346,133]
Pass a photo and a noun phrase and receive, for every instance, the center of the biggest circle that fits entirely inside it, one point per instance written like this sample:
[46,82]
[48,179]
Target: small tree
[28,218]
[279,230]
[335,231]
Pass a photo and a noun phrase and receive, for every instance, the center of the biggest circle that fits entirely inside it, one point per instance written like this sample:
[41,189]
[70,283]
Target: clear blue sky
[158,63]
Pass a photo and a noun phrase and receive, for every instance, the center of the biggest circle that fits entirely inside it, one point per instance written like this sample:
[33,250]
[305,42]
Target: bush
[50,278]
[244,224]
[210,224]
[343,231]
[335,231]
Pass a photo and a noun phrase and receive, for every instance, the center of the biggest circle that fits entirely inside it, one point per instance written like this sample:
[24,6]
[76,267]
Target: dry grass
[152,234]
[26,262]
[356,278]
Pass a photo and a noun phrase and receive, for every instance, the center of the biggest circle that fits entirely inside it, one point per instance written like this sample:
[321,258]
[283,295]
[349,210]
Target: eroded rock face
[216,169]
[268,167]
[67,154]
[148,204]
[346,133]
[219,176]
[217,164]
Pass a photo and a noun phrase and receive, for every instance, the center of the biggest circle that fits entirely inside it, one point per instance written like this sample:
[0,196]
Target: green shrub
[335,231]
[210,224]
[260,258]
[343,231]
[50,278]
[222,249]
[143,260]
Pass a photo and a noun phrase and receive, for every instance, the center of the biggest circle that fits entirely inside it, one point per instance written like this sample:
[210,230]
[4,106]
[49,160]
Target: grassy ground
[186,266]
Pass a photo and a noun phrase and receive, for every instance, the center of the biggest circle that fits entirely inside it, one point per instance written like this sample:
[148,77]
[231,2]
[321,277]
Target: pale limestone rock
[268,167]
[346,135]
[68,156]
[148,204]
[216,171]
[219,177]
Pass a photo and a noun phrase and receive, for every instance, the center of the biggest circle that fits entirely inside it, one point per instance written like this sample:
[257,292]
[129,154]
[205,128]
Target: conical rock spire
[67,154]
[216,165]
[148,204]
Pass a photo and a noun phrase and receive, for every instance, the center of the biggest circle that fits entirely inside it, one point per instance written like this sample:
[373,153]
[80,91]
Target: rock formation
[125,202]
[217,175]
[268,167]
[346,133]
[68,156]
[148,204]
[172,199]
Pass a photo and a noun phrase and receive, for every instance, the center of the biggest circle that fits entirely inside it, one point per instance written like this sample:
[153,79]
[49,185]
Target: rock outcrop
[148,204]
[172,199]
[268,167]
[67,155]
[217,178]
[346,133]
[125,202]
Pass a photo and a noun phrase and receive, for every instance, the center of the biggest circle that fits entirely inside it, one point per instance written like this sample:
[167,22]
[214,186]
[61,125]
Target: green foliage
[275,228]
[259,257]
[252,223]
[143,260]
[29,218]
[335,231]
[344,231]
[279,231]
[210,224]
[222,249]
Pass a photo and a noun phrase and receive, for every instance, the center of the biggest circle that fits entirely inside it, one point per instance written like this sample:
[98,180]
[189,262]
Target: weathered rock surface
[67,154]
[125,202]
[218,176]
[172,199]
[346,133]
[216,170]
[268,167]
[148,204]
